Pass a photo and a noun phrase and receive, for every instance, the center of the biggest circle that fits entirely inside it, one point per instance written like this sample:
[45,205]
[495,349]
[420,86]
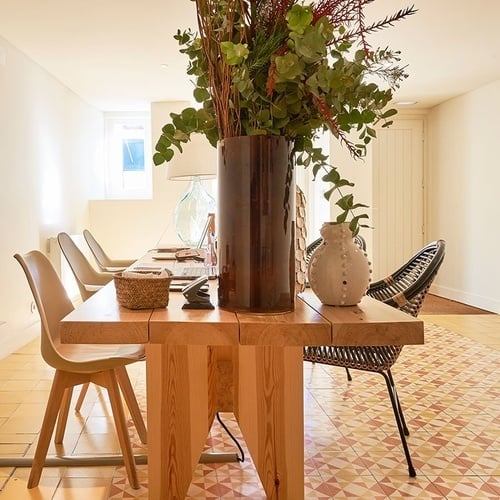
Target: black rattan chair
[405,289]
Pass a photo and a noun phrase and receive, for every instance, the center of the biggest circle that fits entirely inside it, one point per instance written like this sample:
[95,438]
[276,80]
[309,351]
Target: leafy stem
[278,67]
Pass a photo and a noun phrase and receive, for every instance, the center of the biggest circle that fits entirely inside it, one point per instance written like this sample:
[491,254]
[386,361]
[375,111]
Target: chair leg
[130,399]
[349,378]
[62,380]
[81,397]
[393,397]
[108,380]
[400,409]
[63,415]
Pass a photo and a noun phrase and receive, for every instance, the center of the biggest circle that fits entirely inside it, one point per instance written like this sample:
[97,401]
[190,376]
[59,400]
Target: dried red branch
[338,11]
[271,79]
[376,26]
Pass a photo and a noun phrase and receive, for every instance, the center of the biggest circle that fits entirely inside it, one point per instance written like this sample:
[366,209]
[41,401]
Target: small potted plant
[273,72]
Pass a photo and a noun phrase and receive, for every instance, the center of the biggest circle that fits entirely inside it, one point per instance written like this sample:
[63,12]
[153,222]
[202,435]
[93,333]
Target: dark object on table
[196,298]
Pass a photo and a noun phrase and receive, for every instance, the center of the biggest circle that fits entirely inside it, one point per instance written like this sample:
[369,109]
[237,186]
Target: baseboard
[11,340]
[474,300]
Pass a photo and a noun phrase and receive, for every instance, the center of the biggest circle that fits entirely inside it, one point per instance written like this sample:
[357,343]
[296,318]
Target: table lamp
[197,162]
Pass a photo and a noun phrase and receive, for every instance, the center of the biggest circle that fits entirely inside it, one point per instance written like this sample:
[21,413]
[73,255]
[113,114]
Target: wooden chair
[406,290]
[103,365]
[105,263]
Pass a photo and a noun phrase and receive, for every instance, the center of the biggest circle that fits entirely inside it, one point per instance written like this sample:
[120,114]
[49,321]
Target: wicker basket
[142,293]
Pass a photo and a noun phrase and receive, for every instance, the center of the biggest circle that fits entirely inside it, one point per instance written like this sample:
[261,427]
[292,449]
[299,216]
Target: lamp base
[191,213]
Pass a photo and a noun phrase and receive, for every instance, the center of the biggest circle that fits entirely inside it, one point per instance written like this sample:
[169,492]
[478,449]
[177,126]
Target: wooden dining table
[199,362]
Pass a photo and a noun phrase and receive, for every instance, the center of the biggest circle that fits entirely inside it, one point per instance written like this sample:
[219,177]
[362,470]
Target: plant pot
[339,271]
[256,233]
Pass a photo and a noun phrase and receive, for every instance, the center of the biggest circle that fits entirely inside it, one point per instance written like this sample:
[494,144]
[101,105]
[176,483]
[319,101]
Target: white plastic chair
[105,263]
[103,365]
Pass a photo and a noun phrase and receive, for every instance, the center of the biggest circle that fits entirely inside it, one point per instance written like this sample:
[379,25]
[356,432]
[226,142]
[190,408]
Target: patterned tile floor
[449,388]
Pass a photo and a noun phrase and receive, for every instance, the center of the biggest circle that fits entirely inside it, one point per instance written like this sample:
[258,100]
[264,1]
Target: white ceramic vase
[339,271]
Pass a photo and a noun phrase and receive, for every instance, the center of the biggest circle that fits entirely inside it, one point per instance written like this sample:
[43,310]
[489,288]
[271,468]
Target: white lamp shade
[198,159]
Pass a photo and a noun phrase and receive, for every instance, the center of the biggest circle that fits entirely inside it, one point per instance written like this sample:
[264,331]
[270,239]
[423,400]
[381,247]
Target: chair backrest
[51,300]
[407,287]
[102,259]
[87,278]
[104,262]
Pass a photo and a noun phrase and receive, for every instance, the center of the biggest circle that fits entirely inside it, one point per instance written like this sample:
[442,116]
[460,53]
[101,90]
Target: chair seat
[97,357]
[367,358]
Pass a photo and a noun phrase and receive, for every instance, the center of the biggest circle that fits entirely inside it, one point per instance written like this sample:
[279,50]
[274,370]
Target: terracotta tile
[401,487]
[464,487]
[352,447]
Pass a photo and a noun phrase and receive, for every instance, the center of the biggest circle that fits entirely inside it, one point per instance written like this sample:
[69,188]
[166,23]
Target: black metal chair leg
[349,378]
[401,414]
[393,397]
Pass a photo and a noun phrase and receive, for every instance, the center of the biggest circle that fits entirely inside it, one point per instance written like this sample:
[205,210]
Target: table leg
[178,419]
[271,416]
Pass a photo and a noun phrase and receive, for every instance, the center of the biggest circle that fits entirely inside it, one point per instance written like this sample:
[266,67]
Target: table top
[100,320]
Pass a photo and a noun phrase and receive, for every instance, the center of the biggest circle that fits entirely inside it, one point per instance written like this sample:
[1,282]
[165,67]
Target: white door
[398,208]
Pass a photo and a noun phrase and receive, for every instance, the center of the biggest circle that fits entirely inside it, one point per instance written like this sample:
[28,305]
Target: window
[133,155]
[128,164]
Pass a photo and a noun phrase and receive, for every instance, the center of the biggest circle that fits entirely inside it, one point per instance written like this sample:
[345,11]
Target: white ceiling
[111,52]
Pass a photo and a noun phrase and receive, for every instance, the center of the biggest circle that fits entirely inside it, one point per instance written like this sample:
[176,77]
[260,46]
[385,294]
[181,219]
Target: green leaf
[311,45]
[346,202]
[299,17]
[168,155]
[342,217]
[168,129]
[181,136]
[160,147]
[327,194]
[288,67]
[235,53]
[368,116]
[201,94]
[389,113]
[158,159]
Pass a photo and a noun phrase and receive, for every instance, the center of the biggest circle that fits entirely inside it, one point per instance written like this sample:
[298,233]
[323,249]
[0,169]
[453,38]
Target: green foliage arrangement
[281,67]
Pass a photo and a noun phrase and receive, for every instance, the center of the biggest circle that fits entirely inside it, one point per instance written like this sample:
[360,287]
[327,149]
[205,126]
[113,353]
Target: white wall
[463,179]
[48,139]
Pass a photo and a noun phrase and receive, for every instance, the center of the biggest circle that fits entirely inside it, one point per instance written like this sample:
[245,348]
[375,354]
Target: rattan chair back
[407,287]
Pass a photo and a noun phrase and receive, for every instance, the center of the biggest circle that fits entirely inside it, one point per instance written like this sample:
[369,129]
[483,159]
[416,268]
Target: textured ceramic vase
[256,230]
[339,271]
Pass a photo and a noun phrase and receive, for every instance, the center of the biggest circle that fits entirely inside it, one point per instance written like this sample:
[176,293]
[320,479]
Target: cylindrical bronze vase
[256,224]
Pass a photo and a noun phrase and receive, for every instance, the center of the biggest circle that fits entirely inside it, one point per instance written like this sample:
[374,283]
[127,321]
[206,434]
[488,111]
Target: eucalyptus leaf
[288,68]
